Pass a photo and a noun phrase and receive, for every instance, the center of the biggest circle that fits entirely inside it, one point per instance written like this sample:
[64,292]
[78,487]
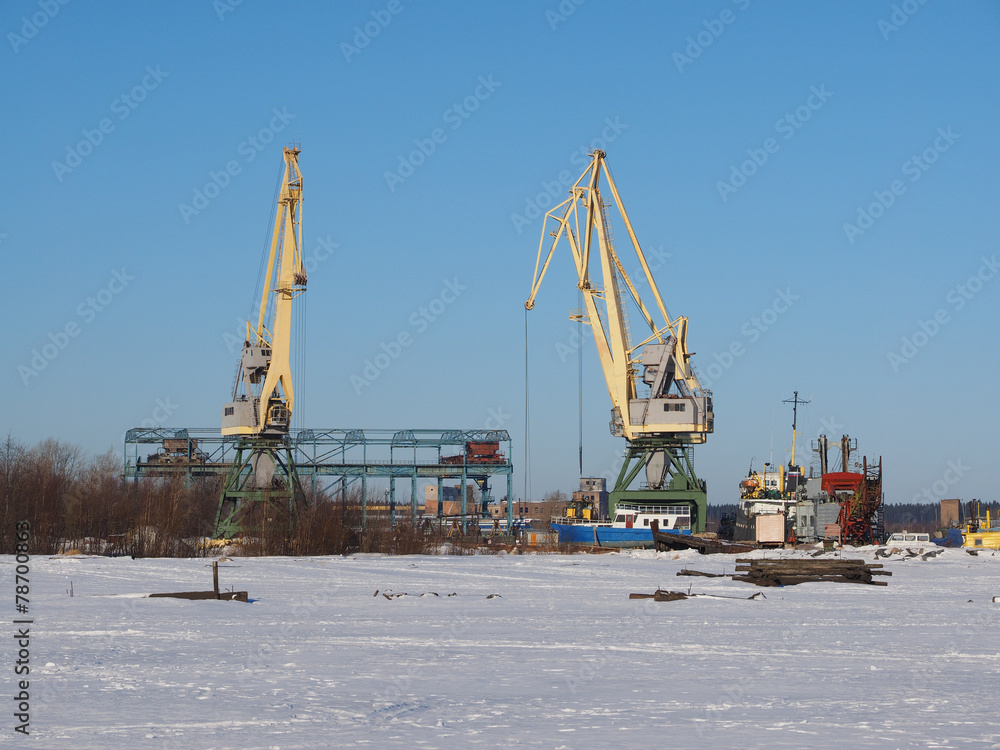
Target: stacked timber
[790,571]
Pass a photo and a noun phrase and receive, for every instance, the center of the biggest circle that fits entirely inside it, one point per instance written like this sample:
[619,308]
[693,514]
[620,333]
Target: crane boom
[263,396]
[675,404]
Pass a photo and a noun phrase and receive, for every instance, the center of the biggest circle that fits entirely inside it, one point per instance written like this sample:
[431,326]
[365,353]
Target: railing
[574,521]
[671,510]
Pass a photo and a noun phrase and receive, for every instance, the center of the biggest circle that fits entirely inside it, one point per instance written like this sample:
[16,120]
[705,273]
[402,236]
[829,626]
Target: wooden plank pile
[791,571]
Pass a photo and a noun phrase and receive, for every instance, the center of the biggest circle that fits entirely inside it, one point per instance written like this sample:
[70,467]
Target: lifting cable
[579,352]
[527,423]
[265,253]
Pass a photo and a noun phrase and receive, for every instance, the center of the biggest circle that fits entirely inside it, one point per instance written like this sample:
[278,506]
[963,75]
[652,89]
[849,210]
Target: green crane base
[245,507]
[681,486]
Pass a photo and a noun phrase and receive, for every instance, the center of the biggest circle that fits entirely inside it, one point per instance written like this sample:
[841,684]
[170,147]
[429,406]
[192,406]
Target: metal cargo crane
[263,475]
[662,411]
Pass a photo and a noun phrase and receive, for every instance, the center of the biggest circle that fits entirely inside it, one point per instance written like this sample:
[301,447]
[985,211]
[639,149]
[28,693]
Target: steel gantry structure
[350,458]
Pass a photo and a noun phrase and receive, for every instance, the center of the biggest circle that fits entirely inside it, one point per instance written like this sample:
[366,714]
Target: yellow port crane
[663,412]
[263,397]
[262,486]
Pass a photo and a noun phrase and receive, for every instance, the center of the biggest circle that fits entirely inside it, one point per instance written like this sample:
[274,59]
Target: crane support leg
[674,481]
[261,491]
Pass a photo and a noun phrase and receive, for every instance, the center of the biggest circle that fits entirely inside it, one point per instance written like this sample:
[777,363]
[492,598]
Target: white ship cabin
[631,516]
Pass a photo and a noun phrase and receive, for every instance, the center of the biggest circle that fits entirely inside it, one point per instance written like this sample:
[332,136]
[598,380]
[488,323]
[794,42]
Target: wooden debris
[668,596]
[791,571]
[689,572]
[662,595]
[226,596]
[664,540]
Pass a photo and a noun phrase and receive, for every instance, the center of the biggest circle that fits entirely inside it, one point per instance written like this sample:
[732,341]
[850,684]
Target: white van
[908,537]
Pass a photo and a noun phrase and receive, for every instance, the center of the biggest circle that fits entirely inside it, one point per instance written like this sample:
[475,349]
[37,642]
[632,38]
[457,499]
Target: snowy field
[561,658]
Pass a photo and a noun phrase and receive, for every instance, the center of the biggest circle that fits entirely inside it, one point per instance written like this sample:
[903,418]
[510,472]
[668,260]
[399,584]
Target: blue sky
[844,105]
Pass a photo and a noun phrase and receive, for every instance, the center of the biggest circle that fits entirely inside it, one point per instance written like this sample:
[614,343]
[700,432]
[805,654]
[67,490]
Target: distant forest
[898,516]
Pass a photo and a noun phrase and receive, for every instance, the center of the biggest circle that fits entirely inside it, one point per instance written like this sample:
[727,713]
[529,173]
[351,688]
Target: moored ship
[630,526]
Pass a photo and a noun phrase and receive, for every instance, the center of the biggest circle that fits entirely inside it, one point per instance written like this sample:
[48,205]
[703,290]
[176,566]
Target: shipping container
[771,528]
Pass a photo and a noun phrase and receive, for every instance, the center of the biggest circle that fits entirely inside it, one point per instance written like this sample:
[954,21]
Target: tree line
[77,503]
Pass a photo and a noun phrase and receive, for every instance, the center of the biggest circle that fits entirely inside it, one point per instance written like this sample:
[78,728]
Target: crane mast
[262,489]
[664,411]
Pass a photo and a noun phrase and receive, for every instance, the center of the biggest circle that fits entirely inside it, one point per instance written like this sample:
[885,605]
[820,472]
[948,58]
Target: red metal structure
[859,514]
[477,452]
[838,482]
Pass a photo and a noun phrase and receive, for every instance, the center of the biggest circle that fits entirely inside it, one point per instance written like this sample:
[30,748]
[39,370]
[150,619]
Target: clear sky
[144,141]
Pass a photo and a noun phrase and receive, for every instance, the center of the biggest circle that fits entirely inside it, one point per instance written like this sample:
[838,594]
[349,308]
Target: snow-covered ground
[561,658]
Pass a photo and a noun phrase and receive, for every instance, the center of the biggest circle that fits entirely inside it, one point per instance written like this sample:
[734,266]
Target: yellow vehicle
[981,533]
[984,539]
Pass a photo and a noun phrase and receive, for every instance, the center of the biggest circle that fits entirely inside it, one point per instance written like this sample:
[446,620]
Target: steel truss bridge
[350,458]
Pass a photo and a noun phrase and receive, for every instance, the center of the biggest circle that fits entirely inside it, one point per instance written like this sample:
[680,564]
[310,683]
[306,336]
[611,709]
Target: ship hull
[606,536]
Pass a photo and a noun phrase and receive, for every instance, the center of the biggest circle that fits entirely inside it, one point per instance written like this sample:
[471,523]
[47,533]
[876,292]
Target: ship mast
[795,401]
